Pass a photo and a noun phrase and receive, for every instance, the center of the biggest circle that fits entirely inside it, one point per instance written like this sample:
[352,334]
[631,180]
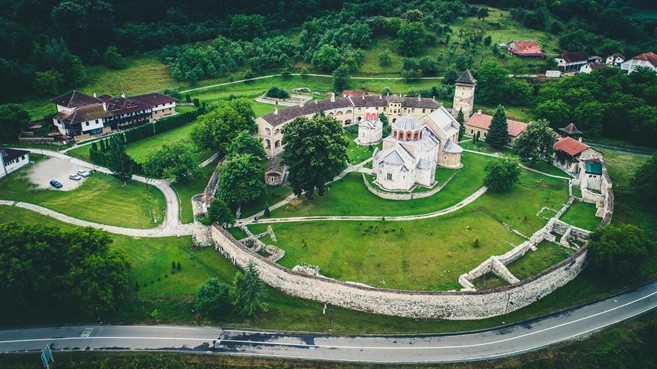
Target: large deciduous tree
[618,253]
[212,297]
[327,58]
[498,132]
[536,143]
[341,78]
[13,118]
[244,143]
[216,129]
[315,152]
[175,161]
[220,213]
[556,112]
[120,163]
[249,291]
[501,174]
[410,38]
[241,179]
[44,270]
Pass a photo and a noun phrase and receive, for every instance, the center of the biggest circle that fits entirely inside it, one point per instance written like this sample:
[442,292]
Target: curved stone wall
[412,304]
[406,196]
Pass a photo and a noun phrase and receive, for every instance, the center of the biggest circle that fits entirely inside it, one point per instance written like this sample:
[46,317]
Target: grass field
[428,254]
[546,255]
[272,196]
[101,198]
[489,281]
[358,153]
[582,215]
[186,191]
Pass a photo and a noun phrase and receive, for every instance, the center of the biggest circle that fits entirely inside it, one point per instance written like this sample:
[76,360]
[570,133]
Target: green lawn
[185,108]
[358,153]
[546,255]
[582,215]
[430,255]
[187,190]
[272,196]
[140,150]
[101,198]
[489,281]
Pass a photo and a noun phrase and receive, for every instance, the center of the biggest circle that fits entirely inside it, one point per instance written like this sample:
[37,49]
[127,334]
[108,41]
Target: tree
[113,59]
[219,213]
[244,143]
[618,253]
[536,143]
[482,13]
[461,119]
[13,119]
[241,179]
[216,129]
[501,174]
[341,78]
[488,40]
[249,291]
[47,83]
[315,152]
[327,58]
[428,65]
[212,297]
[645,179]
[174,161]
[383,118]
[120,163]
[384,58]
[248,74]
[556,112]
[44,270]
[304,73]
[411,38]
[492,80]
[451,75]
[498,133]
[267,212]
[277,93]
[247,27]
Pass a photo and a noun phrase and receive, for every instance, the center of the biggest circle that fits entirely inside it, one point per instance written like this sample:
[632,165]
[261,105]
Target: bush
[501,174]
[277,93]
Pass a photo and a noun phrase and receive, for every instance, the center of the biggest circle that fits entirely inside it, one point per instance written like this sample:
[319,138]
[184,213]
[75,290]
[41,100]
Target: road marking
[87,332]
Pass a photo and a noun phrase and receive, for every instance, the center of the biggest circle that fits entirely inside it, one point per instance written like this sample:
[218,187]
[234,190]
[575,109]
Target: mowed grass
[582,215]
[101,198]
[489,281]
[187,190]
[427,254]
[546,255]
[271,196]
[140,150]
[359,153]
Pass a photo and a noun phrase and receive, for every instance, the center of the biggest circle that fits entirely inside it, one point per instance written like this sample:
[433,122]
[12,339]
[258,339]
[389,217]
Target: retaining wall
[412,304]
[406,196]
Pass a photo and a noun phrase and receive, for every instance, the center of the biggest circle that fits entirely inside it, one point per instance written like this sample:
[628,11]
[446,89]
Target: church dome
[407,123]
[371,114]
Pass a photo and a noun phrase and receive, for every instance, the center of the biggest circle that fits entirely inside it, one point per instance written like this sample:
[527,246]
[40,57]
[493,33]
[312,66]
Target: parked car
[56,184]
[74,177]
[83,173]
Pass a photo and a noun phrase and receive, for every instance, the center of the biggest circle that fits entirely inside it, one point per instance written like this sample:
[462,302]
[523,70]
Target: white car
[83,173]
[75,177]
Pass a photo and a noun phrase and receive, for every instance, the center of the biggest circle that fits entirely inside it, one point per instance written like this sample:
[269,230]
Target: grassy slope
[101,198]
[582,215]
[186,191]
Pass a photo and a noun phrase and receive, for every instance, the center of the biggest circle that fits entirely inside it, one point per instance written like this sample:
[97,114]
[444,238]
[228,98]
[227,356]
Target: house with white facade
[615,60]
[370,128]
[572,62]
[647,60]
[591,66]
[12,160]
[79,114]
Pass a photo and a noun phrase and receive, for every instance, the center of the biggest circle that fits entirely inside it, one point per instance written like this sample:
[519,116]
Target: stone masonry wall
[406,196]
[415,304]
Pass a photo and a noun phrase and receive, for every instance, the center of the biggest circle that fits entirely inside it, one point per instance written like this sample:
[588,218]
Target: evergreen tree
[249,291]
[120,163]
[341,78]
[498,133]
[461,119]
[267,212]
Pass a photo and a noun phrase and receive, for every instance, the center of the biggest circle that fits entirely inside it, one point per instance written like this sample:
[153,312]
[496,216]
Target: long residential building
[81,114]
[348,110]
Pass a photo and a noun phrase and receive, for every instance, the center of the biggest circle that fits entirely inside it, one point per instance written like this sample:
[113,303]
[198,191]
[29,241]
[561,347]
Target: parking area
[58,169]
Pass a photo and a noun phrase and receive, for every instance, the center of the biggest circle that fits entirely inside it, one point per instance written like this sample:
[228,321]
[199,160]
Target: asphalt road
[496,343]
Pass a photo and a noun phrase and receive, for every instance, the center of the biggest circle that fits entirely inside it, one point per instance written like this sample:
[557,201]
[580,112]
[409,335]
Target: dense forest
[46,44]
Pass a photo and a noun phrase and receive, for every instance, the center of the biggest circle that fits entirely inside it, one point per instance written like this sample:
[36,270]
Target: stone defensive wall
[462,305]
[406,196]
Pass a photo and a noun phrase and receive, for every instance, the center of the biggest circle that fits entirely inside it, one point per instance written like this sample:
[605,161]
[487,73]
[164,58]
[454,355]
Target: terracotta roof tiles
[570,146]
[483,121]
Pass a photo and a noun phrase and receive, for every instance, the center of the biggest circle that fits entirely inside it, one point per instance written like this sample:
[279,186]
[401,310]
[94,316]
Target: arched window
[408,136]
[276,131]
[267,144]
[394,133]
[415,136]
[277,144]
[267,131]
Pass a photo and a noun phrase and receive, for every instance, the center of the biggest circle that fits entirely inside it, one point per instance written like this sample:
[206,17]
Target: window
[389,176]
[471,131]
[96,121]
[86,124]
[423,110]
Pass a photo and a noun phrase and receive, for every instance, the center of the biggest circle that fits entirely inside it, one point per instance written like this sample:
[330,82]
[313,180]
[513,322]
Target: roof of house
[74,99]
[483,121]
[594,166]
[571,129]
[570,146]
[649,57]
[466,78]
[11,154]
[574,57]
[596,65]
[154,99]
[275,165]
[525,48]
[353,93]
[618,55]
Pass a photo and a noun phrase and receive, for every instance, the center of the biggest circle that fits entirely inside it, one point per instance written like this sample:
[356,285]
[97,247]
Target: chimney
[479,112]
[275,111]
[302,103]
[104,106]
[94,94]
[418,97]
[332,97]
[580,139]
[380,97]
[434,98]
[315,102]
[123,95]
[363,97]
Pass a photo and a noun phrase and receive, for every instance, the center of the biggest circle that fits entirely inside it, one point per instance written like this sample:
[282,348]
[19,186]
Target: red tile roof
[353,93]
[483,121]
[525,48]
[650,57]
[570,146]
[574,57]
[74,99]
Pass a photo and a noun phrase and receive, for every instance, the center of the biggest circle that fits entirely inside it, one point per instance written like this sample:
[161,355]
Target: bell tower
[464,95]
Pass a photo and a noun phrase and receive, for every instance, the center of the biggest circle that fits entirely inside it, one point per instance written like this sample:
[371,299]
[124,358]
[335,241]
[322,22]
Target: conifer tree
[498,133]
[120,163]
[249,291]
[267,212]
[461,119]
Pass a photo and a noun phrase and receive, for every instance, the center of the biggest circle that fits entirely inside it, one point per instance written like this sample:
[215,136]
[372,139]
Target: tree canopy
[501,174]
[173,161]
[216,129]
[120,163]
[13,119]
[315,152]
[645,179]
[241,179]
[45,270]
[498,132]
[212,298]
[220,213]
[249,291]
[536,143]
[618,253]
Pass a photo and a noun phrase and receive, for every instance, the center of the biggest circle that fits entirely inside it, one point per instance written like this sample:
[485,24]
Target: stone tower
[464,95]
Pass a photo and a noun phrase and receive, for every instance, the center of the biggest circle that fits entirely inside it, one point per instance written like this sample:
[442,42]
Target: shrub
[277,93]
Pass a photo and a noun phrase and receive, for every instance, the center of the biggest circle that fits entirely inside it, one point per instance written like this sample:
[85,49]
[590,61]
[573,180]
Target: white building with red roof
[525,49]
[570,152]
[647,60]
[480,123]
